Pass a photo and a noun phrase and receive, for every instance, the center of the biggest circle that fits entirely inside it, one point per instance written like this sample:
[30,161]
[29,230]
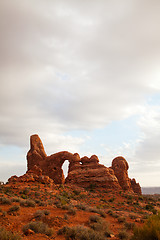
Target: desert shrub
[16,199]
[7,235]
[102,213]
[129,225]
[4,200]
[27,203]
[4,213]
[111,199]
[99,225]
[81,206]
[14,208]
[38,227]
[94,218]
[46,212]
[71,211]
[81,233]
[123,235]
[76,192]
[38,214]
[115,215]
[121,219]
[41,213]
[151,208]
[140,198]
[66,217]
[150,230]
[110,212]
[132,216]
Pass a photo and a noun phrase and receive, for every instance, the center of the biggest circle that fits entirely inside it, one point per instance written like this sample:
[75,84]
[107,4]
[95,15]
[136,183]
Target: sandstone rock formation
[136,187]
[33,175]
[120,167]
[90,172]
[83,171]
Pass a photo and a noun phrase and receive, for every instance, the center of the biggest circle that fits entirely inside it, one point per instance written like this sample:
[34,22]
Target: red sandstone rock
[82,171]
[36,154]
[90,172]
[33,175]
[136,187]
[120,167]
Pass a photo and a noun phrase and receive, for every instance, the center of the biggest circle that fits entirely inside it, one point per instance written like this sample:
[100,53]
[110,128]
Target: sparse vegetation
[38,227]
[81,233]
[14,208]
[123,235]
[27,203]
[4,200]
[150,230]
[7,235]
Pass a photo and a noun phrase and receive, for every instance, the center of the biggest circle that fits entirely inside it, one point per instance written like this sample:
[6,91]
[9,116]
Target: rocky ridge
[82,172]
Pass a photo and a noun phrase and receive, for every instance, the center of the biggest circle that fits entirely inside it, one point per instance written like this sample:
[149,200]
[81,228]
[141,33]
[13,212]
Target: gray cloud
[74,65]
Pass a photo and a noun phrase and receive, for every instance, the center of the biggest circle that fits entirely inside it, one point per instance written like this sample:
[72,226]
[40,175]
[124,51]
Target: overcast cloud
[78,65]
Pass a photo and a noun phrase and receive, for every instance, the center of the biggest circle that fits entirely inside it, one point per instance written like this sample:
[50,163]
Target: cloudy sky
[84,76]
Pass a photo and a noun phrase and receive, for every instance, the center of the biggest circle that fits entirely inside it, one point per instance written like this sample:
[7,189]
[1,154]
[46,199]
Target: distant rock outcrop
[83,171]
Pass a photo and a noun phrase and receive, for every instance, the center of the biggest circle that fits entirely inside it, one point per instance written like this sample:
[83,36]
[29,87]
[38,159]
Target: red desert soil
[69,205]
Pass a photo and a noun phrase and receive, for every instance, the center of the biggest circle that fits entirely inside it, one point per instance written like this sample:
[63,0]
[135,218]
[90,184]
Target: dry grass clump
[99,225]
[14,208]
[41,213]
[81,233]
[123,235]
[16,199]
[121,219]
[27,203]
[4,200]
[150,230]
[7,235]
[38,227]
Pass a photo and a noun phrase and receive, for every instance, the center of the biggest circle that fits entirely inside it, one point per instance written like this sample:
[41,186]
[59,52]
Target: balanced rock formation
[82,171]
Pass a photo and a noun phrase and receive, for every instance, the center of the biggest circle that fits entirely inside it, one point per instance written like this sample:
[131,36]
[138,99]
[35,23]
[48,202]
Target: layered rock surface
[83,171]
[33,175]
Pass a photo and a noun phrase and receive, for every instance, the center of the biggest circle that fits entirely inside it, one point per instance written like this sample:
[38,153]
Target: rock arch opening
[65,168]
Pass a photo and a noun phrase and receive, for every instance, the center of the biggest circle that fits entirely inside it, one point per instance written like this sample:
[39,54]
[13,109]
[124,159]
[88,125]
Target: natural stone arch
[53,165]
[82,171]
[50,165]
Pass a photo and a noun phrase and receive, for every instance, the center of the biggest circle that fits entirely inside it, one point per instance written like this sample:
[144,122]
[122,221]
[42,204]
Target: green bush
[38,227]
[7,235]
[150,230]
